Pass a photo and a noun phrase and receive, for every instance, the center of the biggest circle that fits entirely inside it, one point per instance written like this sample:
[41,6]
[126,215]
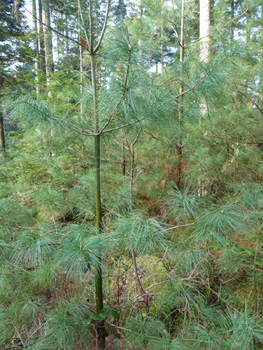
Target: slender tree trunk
[92,49]
[132,168]
[212,5]
[260,97]
[162,38]
[80,62]
[132,177]
[139,17]
[204,30]
[67,43]
[2,128]
[204,57]
[2,132]
[123,158]
[57,36]
[47,40]
[248,33]
[62,29]
[181,99]
[98,270]
[97,144]
[81,79]
[41,39]
[36,59]
[232,12]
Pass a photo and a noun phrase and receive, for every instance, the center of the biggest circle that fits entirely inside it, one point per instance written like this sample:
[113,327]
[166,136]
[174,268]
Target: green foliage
[182,205]
[33,247]
[78,250]
[196,245]
[217,223]
[67,324]
[145,235]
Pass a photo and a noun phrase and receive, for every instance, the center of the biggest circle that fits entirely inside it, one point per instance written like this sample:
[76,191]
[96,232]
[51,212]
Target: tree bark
[92,49]
[204,57]
[181,99]
[260,95]
[123,157]
[80,61]
[139,17]
[2,128]
[67,43]
[47,40]
[36,59]
[98,270]
[2,132]
[41,39]
[204,30]
[162,39]
[232,12]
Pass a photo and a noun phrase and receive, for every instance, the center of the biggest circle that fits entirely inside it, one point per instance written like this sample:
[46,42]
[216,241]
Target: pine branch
[125,92]
[104,27]
[81,15]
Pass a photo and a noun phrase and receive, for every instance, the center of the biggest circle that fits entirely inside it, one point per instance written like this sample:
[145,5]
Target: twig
[91,27]
[178,226]
[81,15]
[124,95]
[104,27]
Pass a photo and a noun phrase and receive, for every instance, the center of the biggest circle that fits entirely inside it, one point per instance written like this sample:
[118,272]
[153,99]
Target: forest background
[131,174]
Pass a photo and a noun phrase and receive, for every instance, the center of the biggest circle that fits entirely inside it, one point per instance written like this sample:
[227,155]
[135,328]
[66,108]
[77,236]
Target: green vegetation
[131,198]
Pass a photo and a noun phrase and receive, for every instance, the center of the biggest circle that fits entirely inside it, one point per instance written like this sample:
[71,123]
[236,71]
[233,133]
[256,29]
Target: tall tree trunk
[248,33]
[80,60]
[99,295]
[123,156]
[57,36]
[47,40]
[67,43]
[204,57]
[92,49]
[232,12]
[260,95]
[62,30]
[139,17]
[212,5]
[181,99]
[81,79]
[2,128]
[204,30]
[37,64]
[2,132]
[98,269]
[162,38]
[41,39]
